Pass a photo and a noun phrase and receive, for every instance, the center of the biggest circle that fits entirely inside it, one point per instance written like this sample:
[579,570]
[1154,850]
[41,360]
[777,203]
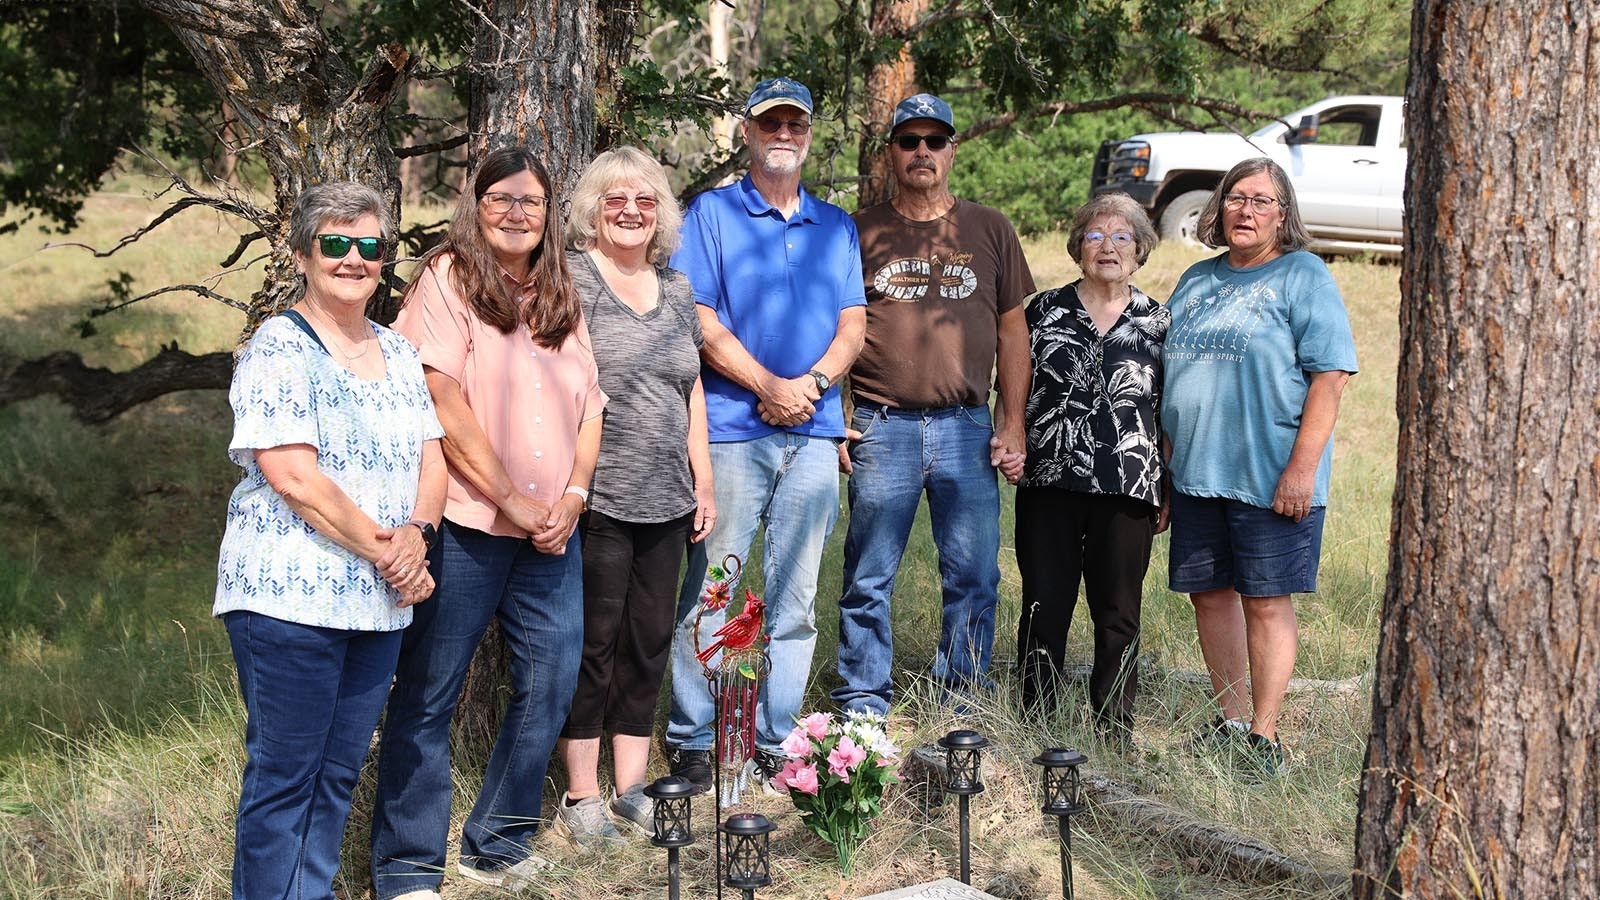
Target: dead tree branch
[99,395]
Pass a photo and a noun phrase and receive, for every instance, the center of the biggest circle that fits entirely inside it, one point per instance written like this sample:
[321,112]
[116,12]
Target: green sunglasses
[336,246]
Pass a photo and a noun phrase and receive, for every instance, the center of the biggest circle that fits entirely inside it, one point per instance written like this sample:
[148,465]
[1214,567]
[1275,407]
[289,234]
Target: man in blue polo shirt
[777,276]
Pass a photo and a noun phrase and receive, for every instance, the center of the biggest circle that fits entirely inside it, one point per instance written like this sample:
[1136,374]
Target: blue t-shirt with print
[779,286]
[1239,359]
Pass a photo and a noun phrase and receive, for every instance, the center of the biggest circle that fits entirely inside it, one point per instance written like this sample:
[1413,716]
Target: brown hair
[553,311]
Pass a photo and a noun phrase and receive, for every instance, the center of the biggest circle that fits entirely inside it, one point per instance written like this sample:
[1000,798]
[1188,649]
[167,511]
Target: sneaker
[693,765]
[1264,757]
[424,894]
[1215,736]
[515,878]
[632,808]
[764,767]
[586,824]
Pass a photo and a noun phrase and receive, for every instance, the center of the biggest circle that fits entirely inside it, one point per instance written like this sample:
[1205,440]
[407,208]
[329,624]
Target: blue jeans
[790,484]
[901,455]
[538,599]
[312,696]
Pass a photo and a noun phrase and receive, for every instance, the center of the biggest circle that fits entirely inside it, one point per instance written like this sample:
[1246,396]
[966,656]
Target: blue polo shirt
[779,286]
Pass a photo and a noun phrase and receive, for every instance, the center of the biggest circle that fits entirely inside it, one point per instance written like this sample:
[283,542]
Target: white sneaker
[515,878]
[424,894]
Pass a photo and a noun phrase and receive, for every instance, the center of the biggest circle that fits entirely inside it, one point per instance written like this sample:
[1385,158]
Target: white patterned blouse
[368,436]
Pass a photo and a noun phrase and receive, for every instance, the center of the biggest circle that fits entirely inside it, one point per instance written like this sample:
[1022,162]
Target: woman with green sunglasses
[324,554]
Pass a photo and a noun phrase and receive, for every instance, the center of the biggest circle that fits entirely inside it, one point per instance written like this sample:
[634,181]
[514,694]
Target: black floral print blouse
[1094,414]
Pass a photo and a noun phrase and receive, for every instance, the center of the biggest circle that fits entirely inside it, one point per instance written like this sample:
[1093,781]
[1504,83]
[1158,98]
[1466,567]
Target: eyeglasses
[771,124]
[1261,203]
[643,203]
[1118,239]
[909,142]
[500,204]
[337,246]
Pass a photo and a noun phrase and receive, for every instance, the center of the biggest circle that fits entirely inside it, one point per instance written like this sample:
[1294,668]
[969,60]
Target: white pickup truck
[1345,155]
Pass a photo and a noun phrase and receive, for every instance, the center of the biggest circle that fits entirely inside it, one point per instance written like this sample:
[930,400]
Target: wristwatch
[823,383]
[430,535]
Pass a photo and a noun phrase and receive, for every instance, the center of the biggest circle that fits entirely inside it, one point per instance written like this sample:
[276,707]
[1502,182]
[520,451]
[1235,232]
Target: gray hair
[336,203]
[1292,234]
[1114,203]
[624,165]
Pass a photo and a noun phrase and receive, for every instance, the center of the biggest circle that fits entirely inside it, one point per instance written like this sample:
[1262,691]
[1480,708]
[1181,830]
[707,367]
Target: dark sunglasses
[337,246]
[771,124]
[909,142]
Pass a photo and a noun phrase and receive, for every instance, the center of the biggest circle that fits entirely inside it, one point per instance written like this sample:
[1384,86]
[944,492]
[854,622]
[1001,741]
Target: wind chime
[735,664]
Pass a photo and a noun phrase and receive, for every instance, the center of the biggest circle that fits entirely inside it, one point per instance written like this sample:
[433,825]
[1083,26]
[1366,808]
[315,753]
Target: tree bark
[1483,768]
[888,83]
[533,83]
[310,117]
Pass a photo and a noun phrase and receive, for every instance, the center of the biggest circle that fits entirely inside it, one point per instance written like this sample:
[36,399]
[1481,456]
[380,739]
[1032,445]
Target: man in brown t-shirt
[945,281]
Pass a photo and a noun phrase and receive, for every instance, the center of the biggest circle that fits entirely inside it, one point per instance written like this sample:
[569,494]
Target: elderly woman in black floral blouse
[1091,498]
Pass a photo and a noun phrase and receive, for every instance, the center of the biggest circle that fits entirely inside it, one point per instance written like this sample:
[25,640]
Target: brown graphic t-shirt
[935,292]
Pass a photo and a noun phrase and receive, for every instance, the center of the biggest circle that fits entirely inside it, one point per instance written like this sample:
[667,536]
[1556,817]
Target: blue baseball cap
[923,106]
[778,92]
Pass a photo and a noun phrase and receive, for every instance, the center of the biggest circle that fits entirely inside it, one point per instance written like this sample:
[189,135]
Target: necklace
[333,328]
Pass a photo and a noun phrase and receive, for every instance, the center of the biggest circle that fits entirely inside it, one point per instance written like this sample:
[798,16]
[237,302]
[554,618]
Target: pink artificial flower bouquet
[836,774]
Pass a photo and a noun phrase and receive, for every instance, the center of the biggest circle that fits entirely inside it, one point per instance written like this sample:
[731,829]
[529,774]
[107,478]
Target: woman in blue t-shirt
[1258,355]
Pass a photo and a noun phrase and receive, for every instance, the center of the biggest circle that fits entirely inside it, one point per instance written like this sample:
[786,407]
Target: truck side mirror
[1304,133]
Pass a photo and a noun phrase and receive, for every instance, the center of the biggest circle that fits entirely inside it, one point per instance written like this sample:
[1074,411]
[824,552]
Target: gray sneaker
[586,824]
[514,878]
[633,808]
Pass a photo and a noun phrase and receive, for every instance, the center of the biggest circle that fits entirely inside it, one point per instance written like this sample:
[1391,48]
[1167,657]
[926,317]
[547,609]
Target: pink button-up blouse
[529,400]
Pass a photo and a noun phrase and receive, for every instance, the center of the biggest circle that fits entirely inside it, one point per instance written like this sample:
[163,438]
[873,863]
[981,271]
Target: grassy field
[120,727]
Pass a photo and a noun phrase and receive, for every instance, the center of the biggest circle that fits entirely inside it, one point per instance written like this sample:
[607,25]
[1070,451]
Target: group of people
[547,429]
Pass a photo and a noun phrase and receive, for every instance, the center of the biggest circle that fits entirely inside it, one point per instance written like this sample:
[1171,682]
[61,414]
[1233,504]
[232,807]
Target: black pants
[630,600]
[1104,540]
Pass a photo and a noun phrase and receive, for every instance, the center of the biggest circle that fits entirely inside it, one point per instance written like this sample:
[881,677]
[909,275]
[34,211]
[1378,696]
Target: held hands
[551,536]
[404,563]
[1008,452]
[1293,495]
[787,402]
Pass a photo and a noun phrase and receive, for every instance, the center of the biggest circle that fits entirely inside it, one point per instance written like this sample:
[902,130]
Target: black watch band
[823,381]
[430,535]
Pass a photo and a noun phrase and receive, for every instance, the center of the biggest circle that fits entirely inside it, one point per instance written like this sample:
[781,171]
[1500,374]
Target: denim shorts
[1219,543]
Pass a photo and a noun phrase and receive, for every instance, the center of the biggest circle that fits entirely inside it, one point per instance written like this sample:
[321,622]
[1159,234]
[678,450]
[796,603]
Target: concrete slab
[943,889]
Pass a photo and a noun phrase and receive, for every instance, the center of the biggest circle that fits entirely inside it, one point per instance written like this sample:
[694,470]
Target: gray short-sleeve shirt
[648,365]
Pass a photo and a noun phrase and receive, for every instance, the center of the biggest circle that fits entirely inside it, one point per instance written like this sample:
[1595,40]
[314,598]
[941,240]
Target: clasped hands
[787,402]
[550,525]
[404,563]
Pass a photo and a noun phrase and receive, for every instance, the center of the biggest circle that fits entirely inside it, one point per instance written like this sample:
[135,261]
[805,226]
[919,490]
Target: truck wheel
[1181,219]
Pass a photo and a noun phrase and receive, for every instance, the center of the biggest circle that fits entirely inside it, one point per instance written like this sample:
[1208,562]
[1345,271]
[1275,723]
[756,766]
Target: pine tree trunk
[1483,769]
[887,84]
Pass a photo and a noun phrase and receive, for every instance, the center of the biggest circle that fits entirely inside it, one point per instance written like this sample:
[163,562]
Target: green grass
[120,726]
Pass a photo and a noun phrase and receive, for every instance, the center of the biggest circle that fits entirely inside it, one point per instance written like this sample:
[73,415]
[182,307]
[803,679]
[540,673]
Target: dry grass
[121,750]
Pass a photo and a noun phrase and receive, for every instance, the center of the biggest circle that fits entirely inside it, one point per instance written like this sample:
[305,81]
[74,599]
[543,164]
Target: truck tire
[1181,218]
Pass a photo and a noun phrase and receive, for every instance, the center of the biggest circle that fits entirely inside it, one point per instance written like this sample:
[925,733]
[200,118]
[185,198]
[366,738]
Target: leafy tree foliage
[79,83]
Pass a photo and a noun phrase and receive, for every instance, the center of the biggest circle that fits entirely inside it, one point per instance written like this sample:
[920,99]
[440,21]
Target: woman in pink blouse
[508,361]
